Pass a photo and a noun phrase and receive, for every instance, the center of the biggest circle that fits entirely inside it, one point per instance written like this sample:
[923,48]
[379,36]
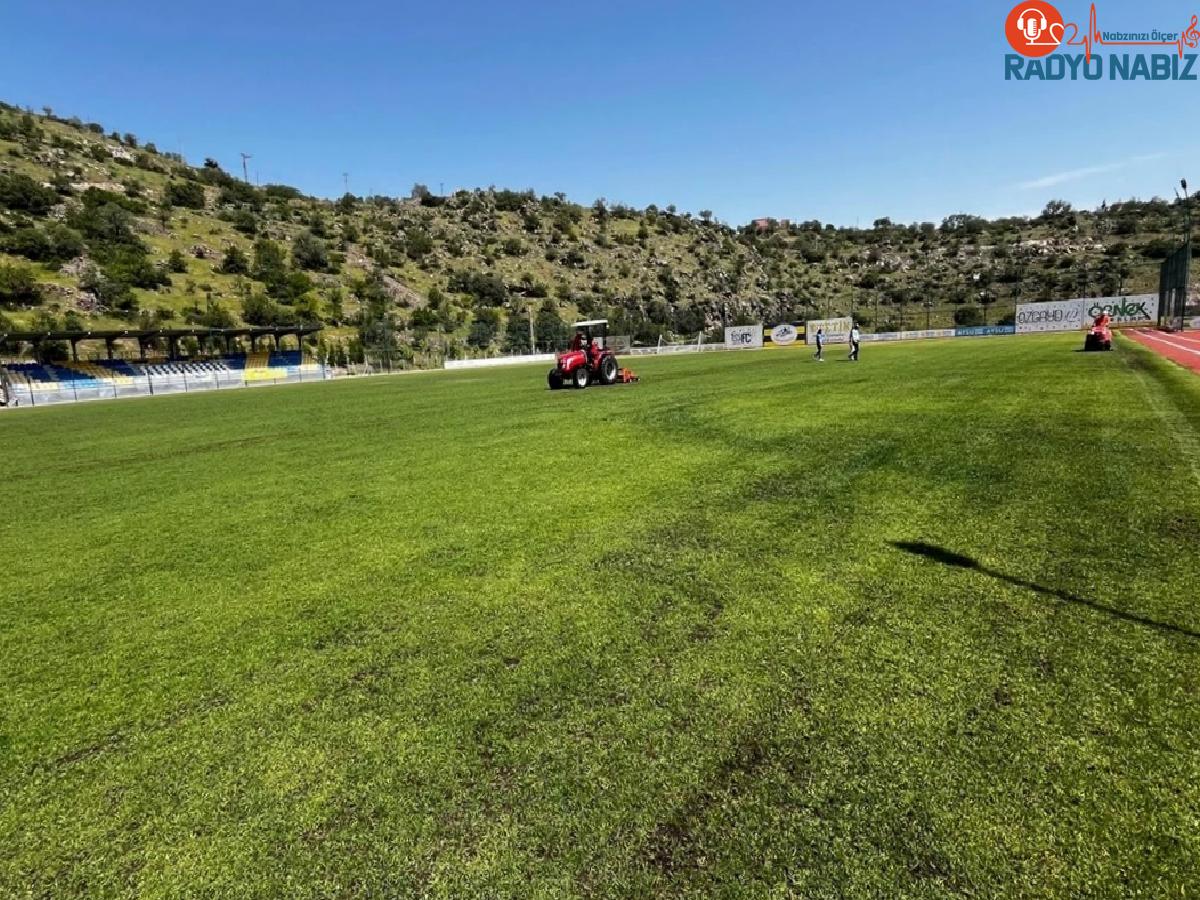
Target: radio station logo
[1044,42]
[1034,29]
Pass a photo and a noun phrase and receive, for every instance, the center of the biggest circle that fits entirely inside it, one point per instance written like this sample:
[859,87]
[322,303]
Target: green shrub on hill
[18,286]
[20,193]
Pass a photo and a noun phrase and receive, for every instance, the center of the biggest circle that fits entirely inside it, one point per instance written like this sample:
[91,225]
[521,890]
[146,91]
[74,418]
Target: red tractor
[587,360]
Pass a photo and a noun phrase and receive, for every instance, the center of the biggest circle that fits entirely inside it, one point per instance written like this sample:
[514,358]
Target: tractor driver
[577,341]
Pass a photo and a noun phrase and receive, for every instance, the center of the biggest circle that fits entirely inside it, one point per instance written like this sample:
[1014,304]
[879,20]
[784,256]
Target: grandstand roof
[34,337]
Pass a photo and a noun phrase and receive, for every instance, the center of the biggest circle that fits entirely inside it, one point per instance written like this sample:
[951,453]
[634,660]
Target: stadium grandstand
[37,367]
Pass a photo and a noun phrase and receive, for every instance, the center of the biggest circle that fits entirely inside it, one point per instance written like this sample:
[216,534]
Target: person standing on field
[854,339]
[820,357]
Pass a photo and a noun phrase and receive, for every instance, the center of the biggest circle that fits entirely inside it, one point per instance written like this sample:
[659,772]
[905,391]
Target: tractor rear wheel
[581,377]
[608,370]
[555,380]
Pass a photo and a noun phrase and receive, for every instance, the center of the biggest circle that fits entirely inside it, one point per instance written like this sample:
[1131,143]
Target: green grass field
[756,627]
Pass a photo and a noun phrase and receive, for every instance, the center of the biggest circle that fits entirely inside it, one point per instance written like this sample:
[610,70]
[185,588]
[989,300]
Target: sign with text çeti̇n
[836,331]
[1074,315]
[744,337]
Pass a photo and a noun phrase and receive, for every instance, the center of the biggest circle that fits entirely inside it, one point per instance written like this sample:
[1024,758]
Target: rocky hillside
[98,228]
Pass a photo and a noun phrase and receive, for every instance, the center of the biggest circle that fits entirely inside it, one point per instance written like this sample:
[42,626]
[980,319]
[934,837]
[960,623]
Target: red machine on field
[588,361]
[1100,336]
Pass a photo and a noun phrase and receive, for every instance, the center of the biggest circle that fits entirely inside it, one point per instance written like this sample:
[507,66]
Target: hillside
[102,230]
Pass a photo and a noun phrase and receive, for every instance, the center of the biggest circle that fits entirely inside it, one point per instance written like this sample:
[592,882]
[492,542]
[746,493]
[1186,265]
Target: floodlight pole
[1187,252]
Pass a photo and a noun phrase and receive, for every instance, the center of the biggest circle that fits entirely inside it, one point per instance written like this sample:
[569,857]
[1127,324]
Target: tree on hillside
[238,193]
[103,222]
[516,333]
[335,313]
[488,290]
[376,321]
[18,286]
[417,243]
[1056,209]
[55,243]
[243,221]
[257,309]
[270,266]
[187,194]
[549,327]
[310,252]
[1060,214]
[21,193]
[235,262]
[967,316]
[484,329]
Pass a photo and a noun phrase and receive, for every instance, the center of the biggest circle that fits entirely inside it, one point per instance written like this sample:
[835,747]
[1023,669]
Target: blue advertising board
[982,330]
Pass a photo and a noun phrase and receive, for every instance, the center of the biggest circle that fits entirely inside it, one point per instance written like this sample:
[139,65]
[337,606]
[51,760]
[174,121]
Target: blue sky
[840,112]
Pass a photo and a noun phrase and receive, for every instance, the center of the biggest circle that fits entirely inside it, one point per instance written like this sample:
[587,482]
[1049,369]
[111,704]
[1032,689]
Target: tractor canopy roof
[590,323]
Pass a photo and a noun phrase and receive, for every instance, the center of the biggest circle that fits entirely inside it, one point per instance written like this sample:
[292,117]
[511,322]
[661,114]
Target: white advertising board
[1139,309]
[744,337]
[499,361]
[909,335]
[837,331]
[1057,315]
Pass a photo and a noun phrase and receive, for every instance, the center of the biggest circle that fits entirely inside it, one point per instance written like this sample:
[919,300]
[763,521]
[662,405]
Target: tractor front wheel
[555,379]
[581,377]
[608,370]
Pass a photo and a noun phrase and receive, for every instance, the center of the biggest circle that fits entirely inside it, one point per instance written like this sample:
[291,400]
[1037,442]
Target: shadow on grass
[959,561]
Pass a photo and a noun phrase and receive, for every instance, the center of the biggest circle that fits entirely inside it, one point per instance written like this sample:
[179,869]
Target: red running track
[1181,347]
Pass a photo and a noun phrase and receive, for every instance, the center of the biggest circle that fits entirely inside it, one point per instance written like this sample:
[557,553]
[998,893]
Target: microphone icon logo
[1032,24]
[1034,28]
